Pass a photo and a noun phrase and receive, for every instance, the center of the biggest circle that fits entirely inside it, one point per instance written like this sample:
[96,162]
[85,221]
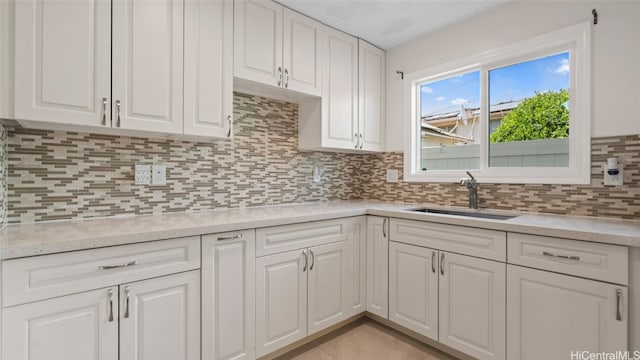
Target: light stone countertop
[61,236]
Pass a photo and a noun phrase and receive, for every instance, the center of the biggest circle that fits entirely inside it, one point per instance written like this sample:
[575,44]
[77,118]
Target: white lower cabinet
[281,300]
[378,266]
[472,305]
[413,288]
[358,235]
[157,319]
[228,298]
[550,316]
[75,327]
[160,318]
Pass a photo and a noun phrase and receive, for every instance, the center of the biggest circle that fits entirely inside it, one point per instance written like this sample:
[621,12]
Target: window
[518,114]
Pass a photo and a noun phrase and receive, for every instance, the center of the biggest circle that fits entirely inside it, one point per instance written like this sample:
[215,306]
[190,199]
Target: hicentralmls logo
[616,355]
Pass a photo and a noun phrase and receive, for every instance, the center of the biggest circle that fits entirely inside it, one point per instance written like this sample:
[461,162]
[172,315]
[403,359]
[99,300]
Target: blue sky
[512,82]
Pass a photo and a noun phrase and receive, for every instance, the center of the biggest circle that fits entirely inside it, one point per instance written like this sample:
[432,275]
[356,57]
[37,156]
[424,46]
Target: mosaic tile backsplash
[594,199]
[50,175]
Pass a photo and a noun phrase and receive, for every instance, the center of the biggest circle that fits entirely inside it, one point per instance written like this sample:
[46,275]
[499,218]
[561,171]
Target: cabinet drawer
[580,258]
[41,277]
[283,238]
[488,244]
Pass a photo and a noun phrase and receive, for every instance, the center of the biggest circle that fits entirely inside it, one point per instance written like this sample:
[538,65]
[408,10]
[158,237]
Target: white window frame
[575,39]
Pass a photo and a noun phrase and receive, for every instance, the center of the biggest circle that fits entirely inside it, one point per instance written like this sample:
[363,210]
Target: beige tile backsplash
[50,175]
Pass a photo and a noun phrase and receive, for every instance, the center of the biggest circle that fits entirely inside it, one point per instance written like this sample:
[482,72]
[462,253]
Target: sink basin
[465,213]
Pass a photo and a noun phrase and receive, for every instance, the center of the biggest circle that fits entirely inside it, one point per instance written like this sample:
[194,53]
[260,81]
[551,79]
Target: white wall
[615,56]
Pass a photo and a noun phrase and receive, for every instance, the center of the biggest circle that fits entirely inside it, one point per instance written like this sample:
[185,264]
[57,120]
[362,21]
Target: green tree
[542,116]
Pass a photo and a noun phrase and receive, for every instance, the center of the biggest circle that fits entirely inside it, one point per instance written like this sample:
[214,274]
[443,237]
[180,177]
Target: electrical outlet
[392,175]
[159,174]
[142,174]
[614,179]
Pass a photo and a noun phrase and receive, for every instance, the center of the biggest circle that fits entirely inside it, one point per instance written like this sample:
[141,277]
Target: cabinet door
[62,67]
[228,285]
[550,316]
[378,266]
[148,65]
[301,53]
[281,300]
[258,41]
[208,67]
[413,288]
[160,318]
[358,238]
[371,92]
[329,285]
[472,305]
[339,90]
[83,326]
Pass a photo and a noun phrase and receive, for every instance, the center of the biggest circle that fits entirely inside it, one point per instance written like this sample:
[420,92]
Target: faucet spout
[472,184]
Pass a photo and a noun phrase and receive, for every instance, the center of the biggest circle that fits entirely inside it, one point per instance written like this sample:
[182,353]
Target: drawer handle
[110,293]
[313,260]
[126,302]
[108,267]
[442,264]
[433,262]
[618,304]
[304,253]
[546,253]
[234,237]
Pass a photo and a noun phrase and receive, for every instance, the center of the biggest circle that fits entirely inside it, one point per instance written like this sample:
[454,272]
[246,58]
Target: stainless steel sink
[465,213]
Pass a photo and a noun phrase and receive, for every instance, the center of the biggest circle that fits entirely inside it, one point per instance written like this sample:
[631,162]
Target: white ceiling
[389,23]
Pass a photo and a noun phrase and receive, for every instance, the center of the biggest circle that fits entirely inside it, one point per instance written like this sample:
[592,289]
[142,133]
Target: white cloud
[459,101]
[440,98]
[427,90]
[564,67]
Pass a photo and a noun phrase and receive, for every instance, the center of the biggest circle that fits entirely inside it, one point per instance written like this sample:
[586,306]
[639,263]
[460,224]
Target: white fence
[535,153]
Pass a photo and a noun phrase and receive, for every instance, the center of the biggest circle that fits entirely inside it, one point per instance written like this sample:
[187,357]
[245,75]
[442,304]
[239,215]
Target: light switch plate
[142,174]
[392,175]
[159,174]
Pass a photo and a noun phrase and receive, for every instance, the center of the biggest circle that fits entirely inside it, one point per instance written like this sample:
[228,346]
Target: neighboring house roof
[499,107]
[436,131]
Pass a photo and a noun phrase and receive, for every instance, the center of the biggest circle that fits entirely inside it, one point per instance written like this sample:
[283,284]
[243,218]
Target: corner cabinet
[124,67]
[304,280]
[378,266]
[276,46]
[351,113]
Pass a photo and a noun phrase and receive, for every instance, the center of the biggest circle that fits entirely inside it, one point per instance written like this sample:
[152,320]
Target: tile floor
[367,340]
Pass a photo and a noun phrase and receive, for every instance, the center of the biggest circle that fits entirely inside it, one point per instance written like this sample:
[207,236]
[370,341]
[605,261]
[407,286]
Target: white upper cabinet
[301,53]
[62,67]
[7,31]
[258,41]
[276,46]
[208,68]
[371,90]
[351,113]
[147,65]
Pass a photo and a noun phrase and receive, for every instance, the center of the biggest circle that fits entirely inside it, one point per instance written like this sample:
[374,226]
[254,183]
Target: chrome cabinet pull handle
[110,293]
[229,121]
[108,267]
[361,142]
[304,253]
[618,304]
[546,253]
[442,264]
[357,141]
[286,78]
[234,237]
[126,302]
[433,262]
[104,111]
[313,260]
[117,113]
[279,75]
[384,228]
